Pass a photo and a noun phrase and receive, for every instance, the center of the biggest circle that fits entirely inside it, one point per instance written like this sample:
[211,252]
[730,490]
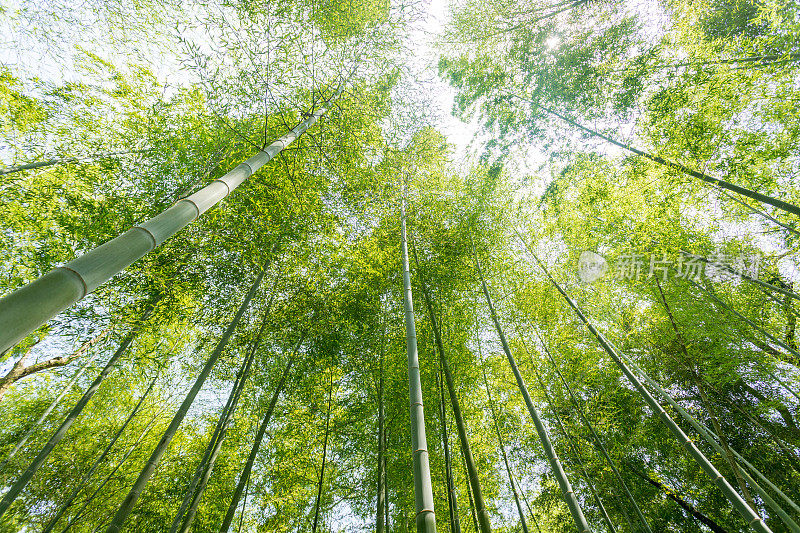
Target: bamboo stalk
[555,463]
[144,476]
[32,305]
[61,432]
[423,491]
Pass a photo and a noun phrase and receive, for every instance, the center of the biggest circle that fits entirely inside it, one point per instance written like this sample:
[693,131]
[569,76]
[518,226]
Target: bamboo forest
[400,266]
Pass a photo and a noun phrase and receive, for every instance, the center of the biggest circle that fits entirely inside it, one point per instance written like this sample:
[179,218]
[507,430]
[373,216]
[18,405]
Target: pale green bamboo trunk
[61,432]
[751,518]
[30,306]
[423,491]
[555,463]
[262,428]
[144,476]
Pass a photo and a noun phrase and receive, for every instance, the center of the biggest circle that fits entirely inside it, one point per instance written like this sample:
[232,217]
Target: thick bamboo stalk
[598,441]
[144,476]
[555,463]
[82,483]
[61,432]
[775,202]
[245,476]
[423,491]
[474,480]
[751,518]
[32,305]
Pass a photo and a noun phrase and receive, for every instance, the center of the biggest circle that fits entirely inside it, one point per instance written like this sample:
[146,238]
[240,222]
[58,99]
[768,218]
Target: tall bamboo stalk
[262,428]
[80,485]
[474,480]
[523,522]
[452,503]
[318,502]
[423,491]
[598,441]
[775,202]
[751,518]
[61,432]
[32,305]
[555,463]
[144,476]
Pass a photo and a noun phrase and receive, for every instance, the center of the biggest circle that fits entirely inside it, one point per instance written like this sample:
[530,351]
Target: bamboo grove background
[254,371]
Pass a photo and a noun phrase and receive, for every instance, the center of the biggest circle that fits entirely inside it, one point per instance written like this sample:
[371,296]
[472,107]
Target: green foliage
[712,85]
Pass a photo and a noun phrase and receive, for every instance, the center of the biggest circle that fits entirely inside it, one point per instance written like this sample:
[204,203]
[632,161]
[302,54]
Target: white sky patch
[553,42]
